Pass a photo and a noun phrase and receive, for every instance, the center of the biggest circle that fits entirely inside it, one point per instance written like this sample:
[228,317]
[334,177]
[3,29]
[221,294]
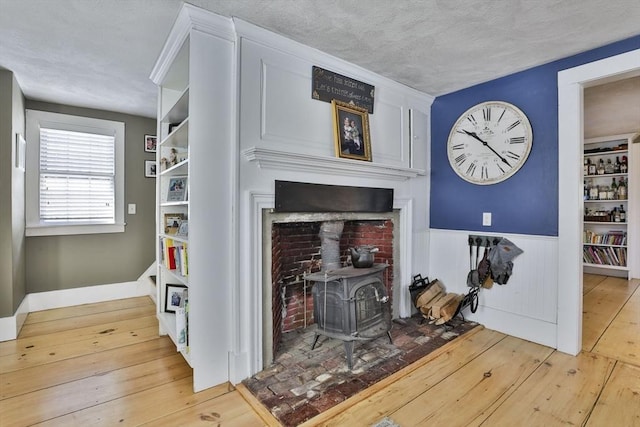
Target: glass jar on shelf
[608,167]
[603,192]
[623,165]
[593,192]
[622,189]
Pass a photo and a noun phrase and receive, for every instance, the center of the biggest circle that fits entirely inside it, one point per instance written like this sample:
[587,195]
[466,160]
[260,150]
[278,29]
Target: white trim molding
[10,326]
[571,84]
[190,17]
[36,119]
[280,160]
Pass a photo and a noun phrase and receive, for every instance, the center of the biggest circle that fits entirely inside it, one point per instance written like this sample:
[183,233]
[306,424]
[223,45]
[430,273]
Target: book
[166,244]
[184,261]
[181,328]
[171,258]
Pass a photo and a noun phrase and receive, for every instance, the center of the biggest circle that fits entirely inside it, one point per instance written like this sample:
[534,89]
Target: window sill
[68,230]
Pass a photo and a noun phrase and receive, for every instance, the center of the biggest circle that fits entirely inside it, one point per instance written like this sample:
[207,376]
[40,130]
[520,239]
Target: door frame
[571,84]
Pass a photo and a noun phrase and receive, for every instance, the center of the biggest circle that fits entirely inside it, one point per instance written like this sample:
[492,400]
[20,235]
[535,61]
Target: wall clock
[489,142]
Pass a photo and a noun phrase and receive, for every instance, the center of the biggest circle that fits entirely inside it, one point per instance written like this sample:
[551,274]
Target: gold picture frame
[351,131]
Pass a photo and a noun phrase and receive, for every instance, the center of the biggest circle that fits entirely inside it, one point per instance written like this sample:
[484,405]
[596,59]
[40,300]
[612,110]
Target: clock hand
[486,144]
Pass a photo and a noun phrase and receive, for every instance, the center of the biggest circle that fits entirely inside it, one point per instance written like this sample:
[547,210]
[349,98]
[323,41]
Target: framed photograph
[174,295]
[183,231]
[172,222]
[177,189]
[150,168]
[351,131]
[150,143]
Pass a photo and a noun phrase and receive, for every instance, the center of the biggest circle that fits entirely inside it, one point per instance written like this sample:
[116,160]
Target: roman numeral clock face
[489,142]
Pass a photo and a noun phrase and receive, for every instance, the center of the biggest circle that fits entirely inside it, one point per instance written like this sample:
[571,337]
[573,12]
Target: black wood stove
[351,304]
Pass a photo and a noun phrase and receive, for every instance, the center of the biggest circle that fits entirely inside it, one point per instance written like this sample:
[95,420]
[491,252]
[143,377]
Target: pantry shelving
[607,193]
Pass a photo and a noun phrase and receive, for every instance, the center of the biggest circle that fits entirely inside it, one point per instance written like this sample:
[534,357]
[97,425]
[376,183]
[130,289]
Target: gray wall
[63,262]
[12,252]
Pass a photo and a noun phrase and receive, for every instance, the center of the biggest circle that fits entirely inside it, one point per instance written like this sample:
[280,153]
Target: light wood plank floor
[104,364]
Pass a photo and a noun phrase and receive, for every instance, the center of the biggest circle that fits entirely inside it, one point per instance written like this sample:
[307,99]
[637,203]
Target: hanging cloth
[501,259]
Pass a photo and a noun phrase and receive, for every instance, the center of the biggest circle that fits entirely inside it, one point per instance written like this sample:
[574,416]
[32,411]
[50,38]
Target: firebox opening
[294,247]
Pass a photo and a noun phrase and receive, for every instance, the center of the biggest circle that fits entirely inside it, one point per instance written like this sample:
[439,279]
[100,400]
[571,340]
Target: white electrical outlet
[486,219]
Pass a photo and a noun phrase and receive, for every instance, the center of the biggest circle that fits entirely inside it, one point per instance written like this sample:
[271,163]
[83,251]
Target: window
[75,175]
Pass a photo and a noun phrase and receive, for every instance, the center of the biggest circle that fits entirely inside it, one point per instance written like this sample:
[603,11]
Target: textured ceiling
[99,53]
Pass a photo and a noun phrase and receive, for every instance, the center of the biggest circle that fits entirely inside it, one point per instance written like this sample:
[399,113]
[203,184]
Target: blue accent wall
[527,202]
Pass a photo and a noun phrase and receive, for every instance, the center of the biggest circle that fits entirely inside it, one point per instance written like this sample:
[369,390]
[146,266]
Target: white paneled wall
[385,129]
[284,134]
[526,306]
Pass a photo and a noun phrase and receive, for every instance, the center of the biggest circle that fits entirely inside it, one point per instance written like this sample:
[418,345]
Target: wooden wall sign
[327,85]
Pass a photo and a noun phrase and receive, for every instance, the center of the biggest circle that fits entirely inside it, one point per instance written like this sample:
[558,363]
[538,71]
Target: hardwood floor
[104,364]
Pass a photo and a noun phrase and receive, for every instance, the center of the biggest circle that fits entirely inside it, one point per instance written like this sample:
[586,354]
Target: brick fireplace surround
[295,250]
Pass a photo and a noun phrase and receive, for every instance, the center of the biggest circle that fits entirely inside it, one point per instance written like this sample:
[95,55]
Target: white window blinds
[77,177]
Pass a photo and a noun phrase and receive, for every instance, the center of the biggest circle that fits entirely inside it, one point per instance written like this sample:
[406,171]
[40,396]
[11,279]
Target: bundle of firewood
[436,304]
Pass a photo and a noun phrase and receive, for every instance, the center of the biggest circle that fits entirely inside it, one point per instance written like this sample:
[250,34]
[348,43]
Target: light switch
[486,219]
[132,209]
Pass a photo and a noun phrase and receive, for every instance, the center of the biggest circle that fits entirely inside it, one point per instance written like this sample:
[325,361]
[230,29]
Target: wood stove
[351,304]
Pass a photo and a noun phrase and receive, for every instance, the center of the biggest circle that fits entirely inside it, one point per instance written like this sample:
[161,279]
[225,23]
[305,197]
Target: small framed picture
[150,143]
[183,231]
[174,296]
[150,168]
[172,222]
[177,189]
[351,131]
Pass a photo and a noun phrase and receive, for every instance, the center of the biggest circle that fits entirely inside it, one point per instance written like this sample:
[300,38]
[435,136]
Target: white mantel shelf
[273,159]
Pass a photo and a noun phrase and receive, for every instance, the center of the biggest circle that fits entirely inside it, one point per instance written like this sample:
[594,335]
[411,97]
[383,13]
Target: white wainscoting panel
[420,157]
[285,118]
[526,306]
[388,145]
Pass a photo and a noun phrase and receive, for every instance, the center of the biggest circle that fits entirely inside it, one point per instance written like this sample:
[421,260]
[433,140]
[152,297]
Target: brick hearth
[302,383]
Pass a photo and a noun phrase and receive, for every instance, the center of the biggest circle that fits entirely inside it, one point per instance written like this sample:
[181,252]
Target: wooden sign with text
[327,85]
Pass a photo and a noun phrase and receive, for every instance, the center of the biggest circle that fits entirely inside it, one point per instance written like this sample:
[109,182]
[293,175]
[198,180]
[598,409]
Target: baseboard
[10,326]
[523,327]
[238,366]
[152,270]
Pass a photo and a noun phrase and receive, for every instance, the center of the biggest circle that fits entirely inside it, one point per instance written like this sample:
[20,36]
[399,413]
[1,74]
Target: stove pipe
[330,232]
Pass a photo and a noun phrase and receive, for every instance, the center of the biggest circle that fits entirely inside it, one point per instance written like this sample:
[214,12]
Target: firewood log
[427,309]
[436,308]
[449,309]
[429,294]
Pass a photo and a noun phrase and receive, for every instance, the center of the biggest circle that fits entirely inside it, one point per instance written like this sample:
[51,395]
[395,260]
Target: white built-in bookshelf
[194,74]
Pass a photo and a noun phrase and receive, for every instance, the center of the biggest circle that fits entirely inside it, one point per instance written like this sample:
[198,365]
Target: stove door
[330,309]
[371,310]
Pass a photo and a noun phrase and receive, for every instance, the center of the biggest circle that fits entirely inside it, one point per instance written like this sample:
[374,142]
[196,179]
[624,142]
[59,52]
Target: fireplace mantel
[273,159]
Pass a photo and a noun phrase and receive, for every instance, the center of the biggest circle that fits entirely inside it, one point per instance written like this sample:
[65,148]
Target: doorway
[571,84]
